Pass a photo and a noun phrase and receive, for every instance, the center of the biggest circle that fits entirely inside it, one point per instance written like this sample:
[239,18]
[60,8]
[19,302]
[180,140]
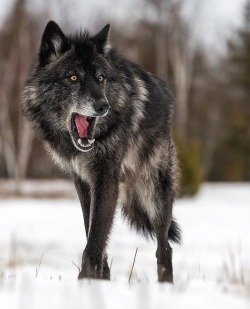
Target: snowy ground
[41,240]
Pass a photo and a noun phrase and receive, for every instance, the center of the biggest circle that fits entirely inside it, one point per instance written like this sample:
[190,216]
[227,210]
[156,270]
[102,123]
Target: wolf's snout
[101,107]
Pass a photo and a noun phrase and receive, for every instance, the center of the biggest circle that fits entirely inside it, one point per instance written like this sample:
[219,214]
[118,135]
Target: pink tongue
[82,125]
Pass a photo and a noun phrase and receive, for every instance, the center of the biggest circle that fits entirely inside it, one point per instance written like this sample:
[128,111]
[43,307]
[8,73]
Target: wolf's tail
[174,232]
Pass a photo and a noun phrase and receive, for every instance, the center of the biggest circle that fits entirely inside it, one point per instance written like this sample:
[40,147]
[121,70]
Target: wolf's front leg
[103,204]
[83,191]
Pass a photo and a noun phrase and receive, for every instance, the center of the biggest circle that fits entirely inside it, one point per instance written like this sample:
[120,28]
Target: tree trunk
[211,139]
[161,54]
[6,128]
[25,137]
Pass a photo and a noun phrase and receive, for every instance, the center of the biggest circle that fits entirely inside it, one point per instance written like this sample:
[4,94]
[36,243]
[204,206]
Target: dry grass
[55,188]
[235,269]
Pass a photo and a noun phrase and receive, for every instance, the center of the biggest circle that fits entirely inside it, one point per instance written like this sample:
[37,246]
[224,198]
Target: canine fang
[91,141]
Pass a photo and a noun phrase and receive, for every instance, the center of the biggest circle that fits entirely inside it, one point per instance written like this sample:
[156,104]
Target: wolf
[107,123]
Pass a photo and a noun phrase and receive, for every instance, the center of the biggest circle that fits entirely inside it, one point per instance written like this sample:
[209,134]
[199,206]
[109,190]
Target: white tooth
[91,141]
[80,142]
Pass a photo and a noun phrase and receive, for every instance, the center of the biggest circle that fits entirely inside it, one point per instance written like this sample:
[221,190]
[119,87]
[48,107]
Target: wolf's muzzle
[101,108]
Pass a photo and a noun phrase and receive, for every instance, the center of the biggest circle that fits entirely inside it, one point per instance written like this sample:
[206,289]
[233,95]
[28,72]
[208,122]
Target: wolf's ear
[101,40]
[54,43]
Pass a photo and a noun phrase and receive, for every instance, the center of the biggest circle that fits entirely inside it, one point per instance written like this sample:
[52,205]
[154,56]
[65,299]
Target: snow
[41,242]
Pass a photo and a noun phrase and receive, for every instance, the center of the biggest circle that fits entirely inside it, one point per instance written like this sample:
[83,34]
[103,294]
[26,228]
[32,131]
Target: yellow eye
[73,78]
[101,78]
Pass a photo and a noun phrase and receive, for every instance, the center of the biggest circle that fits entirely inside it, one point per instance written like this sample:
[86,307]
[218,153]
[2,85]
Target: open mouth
[82,130]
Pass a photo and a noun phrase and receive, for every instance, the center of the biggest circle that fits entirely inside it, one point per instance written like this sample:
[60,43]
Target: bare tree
[181,56]
[7,135]
[25,135]
[212,126]
[15,60]
[175,48]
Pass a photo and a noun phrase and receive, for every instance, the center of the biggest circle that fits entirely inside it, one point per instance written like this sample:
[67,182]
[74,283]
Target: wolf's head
[66,91]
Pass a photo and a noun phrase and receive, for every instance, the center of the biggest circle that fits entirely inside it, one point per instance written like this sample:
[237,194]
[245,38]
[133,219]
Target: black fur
[108,123]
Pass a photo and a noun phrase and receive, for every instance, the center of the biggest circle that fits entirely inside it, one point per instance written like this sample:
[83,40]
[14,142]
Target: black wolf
[108,123]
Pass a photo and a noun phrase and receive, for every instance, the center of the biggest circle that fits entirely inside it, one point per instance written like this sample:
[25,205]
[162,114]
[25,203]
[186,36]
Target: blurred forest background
[212,92]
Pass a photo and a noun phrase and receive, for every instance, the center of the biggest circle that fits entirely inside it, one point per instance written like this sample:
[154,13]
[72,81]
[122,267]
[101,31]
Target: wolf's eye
[73,78]
[101,78]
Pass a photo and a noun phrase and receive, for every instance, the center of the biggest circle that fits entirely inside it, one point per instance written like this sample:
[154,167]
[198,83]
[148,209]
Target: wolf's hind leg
[164,259]
[162,226]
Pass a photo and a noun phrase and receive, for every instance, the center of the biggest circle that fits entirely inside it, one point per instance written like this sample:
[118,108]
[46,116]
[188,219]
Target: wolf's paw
[94,270]
[105,270]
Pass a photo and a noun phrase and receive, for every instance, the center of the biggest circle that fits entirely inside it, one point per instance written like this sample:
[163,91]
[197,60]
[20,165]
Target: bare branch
[131,272]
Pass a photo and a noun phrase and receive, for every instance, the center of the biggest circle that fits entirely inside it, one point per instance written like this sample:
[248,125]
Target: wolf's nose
[101,107]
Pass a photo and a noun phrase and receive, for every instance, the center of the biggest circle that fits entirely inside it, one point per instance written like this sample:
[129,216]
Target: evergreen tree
[234,152]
